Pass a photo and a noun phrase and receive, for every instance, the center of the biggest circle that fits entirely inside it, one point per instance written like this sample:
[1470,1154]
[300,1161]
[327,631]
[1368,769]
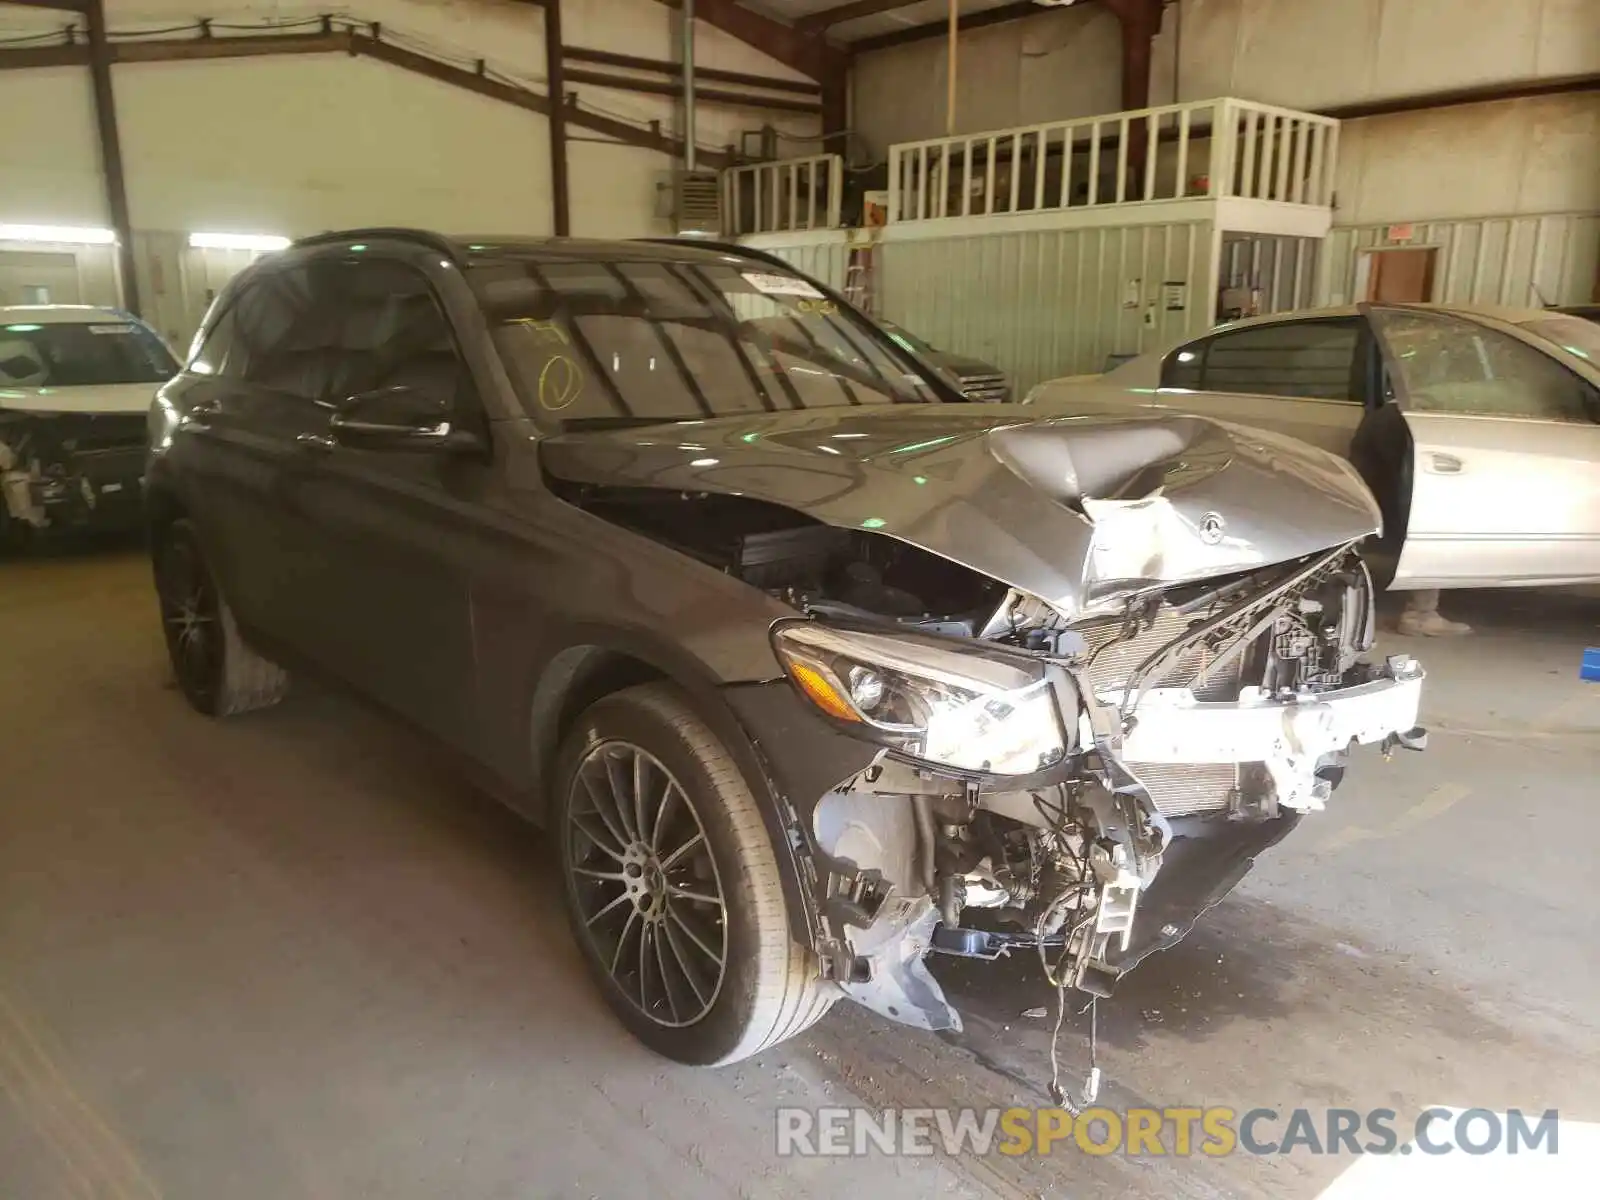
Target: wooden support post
[1141,21]
[556,85]
[950,71]
[105,119]
[835,83]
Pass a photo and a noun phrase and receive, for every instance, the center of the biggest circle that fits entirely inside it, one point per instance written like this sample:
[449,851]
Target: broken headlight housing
[976,709]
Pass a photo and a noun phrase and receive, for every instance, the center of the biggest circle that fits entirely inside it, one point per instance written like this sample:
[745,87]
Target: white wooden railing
[1278,153]
[1208,149]
[783,196]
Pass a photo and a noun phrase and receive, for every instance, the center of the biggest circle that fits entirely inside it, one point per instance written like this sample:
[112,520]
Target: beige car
[1478,429]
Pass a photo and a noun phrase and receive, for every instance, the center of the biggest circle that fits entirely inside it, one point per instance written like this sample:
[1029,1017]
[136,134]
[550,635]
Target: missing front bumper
[1290,738]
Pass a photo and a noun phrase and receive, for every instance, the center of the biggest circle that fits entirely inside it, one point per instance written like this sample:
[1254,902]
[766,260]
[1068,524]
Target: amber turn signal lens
[822,693]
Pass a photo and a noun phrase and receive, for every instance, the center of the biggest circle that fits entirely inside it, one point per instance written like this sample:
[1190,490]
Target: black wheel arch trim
[743,724]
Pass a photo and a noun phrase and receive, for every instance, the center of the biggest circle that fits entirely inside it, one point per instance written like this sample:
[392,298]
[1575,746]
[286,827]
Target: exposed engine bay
[1144,678]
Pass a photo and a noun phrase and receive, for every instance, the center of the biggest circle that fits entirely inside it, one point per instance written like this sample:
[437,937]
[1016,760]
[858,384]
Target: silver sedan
[1477,429]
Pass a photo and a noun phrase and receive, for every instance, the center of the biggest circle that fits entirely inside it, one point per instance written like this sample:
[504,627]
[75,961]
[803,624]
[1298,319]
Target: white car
[75,389]
[1477,429]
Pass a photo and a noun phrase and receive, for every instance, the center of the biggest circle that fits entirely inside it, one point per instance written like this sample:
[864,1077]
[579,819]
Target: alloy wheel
[650,900]
[191,618]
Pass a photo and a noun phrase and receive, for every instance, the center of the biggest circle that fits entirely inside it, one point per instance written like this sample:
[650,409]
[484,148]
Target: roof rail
[434,241]
[726,247]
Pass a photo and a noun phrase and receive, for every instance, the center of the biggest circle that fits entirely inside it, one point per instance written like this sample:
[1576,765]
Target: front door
[391,534]
[1505,486]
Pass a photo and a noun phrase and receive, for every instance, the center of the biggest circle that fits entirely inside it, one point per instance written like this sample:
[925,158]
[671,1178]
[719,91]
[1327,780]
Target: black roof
[468,249]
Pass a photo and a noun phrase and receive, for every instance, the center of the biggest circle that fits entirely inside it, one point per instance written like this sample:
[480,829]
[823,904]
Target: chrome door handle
[1444,464]
[315,441]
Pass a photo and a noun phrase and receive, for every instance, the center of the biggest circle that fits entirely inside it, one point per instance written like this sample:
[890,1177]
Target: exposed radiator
[1179,789]
[1112,667]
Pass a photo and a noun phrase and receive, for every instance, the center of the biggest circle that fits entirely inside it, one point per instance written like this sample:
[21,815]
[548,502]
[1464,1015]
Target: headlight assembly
[980,709]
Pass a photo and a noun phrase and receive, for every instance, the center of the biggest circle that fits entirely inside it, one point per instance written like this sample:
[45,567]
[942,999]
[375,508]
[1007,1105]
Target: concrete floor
[293,955]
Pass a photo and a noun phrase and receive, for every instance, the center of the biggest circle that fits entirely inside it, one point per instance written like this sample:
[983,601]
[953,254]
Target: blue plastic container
[1590,669]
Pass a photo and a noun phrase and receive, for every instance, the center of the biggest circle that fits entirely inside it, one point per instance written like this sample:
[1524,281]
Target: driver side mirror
[401,418]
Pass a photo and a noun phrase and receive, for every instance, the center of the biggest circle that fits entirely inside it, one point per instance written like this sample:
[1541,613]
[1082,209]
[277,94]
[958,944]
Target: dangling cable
[1091,1084]
[1076,942]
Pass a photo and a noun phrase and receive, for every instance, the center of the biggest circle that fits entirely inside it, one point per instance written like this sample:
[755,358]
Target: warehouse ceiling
[851,21]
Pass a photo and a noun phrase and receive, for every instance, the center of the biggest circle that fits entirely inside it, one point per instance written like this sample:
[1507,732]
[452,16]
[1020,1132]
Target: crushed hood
[1080,511]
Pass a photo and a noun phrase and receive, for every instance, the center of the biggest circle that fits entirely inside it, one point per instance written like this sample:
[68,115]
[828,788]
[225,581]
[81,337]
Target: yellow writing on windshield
[560,383]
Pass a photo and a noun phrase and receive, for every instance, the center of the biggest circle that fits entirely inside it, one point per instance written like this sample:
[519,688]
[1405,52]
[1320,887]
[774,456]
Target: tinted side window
[1312,359]
[388,330]
[1182,367]
[331,328]
[277,341]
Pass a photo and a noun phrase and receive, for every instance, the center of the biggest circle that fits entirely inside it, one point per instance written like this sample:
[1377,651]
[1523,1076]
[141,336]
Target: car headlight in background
[976,710]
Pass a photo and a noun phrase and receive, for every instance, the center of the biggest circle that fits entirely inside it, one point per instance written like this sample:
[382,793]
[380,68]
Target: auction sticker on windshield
[781,285]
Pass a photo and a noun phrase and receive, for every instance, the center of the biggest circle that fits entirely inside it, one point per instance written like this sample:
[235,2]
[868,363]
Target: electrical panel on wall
[697,203]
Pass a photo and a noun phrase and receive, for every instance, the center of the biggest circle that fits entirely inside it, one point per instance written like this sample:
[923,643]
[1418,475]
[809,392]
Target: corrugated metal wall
[1058,302]
[820,260]
[68,274]
[1522,261]
[1280,270]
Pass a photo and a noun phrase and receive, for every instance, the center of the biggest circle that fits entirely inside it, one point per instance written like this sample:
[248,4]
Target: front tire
[15,536]
[672,886]
[219,674]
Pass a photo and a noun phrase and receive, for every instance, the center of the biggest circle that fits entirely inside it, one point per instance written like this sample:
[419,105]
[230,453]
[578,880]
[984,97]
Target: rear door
[1301,377]
[1505,453]
[249,395]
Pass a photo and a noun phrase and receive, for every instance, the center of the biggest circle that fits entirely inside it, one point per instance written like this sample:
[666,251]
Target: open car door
[1504,484]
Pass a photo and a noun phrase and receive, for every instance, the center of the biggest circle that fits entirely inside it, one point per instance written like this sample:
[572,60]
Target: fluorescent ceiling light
[57,233]
[237,241]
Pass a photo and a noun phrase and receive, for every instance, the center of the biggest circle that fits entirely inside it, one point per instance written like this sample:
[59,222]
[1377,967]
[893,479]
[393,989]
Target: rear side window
[1182,368]
[1309,359]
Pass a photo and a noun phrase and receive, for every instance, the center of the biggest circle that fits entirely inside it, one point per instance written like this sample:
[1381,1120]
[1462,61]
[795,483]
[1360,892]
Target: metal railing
[783,196]
[1208,149]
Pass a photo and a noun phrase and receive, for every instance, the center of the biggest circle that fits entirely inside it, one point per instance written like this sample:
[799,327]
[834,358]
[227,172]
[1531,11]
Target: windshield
[1572,334]
[1447,364]
[662,341]
[90,354]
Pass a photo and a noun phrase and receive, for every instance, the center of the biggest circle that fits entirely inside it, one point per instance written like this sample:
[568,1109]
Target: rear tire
[219,675]
[652,809]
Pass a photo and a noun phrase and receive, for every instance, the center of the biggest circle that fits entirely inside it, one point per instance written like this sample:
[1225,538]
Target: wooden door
[1402,276]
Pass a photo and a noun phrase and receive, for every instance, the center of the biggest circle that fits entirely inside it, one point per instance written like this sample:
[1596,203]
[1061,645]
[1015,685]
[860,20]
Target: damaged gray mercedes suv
[810,667]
